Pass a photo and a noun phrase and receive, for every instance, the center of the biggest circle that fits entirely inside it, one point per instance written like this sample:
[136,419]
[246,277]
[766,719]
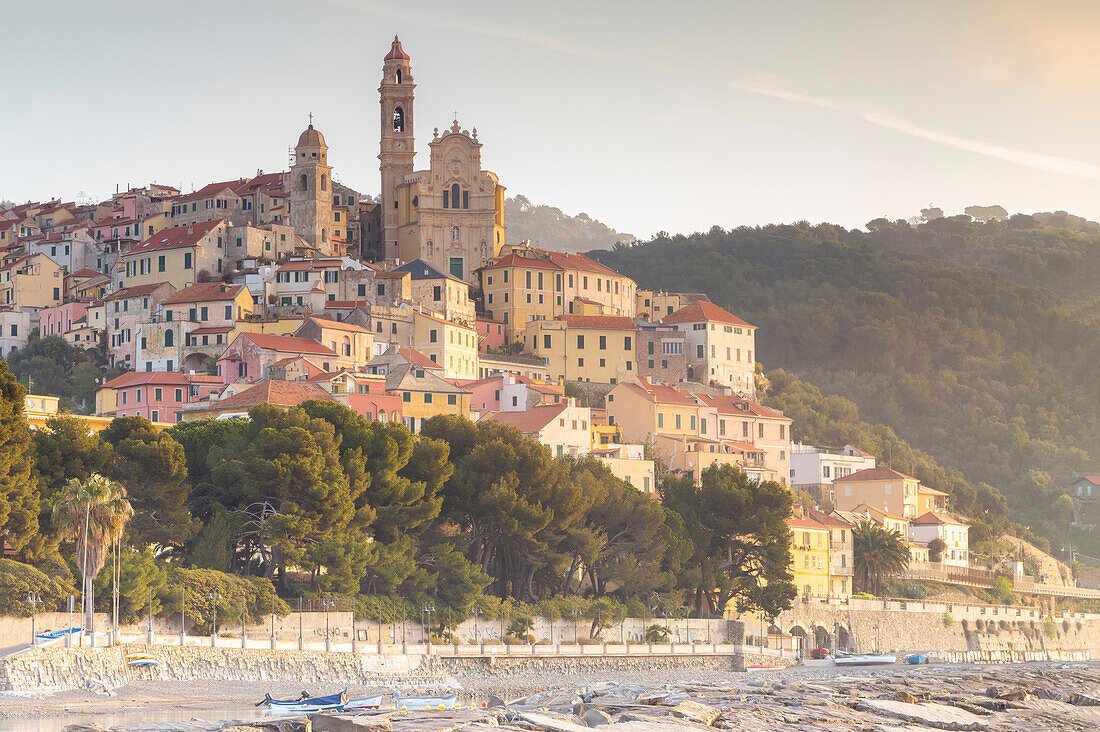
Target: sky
[648,116]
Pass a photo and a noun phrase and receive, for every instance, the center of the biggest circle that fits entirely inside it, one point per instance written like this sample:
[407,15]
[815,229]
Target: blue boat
[916,658]
[50,635]
[414,703]
[311,705]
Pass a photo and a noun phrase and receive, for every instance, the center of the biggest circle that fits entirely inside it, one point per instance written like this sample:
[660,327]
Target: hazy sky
[645,115]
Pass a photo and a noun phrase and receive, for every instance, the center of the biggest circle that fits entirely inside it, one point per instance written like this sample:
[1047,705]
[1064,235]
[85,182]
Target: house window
[158,394]
[452,399]
[179,395]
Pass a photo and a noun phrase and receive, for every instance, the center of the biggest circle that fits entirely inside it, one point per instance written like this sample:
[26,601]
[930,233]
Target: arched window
[455,196]
[303,182]
[382,415]
[399,76]
[324,182]
[431,250]
[346,346]
[169,338]
[398,119]
[324,235]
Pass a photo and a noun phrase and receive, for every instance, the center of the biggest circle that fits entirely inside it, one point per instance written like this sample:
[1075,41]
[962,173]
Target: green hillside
[990,377]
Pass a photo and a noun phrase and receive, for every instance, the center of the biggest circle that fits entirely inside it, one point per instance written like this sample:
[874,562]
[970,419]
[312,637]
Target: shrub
[914,591]
[1065,626]
[1002,624]
[656,634]
[1002,591]
[948,621]
[18,581]
[1050,628]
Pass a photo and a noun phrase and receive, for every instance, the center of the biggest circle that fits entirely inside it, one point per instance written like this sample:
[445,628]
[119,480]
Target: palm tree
[879,554]
[92,513]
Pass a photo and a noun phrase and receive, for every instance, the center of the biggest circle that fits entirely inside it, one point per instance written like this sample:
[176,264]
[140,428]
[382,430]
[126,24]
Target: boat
[143,662]
[436,701]
[915,658]
[309,705]
[373,701]
[50,635]
[863,659]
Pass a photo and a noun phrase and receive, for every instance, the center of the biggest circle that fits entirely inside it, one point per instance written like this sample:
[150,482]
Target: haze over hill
[549,228]
[989,376]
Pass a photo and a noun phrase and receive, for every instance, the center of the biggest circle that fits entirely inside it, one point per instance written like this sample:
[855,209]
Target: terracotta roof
[396,52]
[873,474]
[205,292]
[288,344]
[85,273]
[660,393]
[270,391]
[140,378]
[345,304]
[416,358]
[177,236]
[1094,479]
[390,275]
[613,322]
[531,420]
[701,310]
[805,523]
[136,291]
[567,260]
[729,404]
[933,491]
[211,330]
[515,260]
[823,518]
[337,324]
[271,183]
[210,189]
[938,517]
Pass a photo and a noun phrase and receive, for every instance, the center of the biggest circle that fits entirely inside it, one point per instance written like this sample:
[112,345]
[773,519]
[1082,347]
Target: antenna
[290,152]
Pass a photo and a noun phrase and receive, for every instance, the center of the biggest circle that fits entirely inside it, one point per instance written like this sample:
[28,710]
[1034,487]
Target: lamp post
[273,620]
[214,597]
[301,640]
[244,614]
[183,619]
[354,633]
[622,627]
[328,633]
[149,600]
[477,636]
[34,600]
[574,612]
[429,608]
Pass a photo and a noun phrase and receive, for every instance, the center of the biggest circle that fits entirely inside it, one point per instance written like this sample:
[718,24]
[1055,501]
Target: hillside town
[285,287]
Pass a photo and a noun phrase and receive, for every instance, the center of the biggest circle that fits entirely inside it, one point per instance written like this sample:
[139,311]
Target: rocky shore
[1020,697]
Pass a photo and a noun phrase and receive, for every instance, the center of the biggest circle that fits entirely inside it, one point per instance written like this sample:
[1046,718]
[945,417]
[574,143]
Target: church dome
[396,52]
[311,137]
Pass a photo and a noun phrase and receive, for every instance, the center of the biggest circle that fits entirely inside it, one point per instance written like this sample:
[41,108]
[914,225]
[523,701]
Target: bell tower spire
[397,146]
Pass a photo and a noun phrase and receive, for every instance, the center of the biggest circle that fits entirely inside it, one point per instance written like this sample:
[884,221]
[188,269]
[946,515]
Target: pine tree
[18,482]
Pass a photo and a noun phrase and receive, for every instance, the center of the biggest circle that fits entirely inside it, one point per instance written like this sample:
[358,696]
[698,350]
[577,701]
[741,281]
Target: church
[450,215]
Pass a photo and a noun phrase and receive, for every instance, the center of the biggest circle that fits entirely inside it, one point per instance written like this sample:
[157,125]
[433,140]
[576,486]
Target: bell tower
[397,148]
[310,190]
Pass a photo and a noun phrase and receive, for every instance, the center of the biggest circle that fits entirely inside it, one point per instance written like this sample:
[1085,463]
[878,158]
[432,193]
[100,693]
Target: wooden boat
[436,701]
[50,635]
[863,659]
[915,658]
[373,701]
[311,705]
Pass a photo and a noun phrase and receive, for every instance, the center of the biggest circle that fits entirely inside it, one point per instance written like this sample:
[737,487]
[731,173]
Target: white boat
[864,659]
[364,702]
[413,703]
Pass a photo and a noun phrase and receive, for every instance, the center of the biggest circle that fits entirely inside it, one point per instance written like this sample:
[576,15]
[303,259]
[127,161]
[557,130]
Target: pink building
[490,333]
[155,395]
[511,393]
[58,320]
[251,355]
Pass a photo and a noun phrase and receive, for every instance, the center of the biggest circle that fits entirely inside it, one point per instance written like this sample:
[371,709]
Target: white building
[954,532]
[813,468]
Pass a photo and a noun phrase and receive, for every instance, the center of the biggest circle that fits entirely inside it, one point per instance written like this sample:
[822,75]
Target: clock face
[399,144]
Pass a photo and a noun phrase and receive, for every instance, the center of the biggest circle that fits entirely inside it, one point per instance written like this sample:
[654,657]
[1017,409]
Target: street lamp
[575,640]
[34,600]
[326,604]
[477,636]
[214,597]
[273,619]
[429,608]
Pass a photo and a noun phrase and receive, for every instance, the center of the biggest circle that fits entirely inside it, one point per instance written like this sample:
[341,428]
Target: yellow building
[881,488]
[33,281]
[596,348]
[809,556]
[526,284]
[346,339]
[419,383]
[652,305]
[39,409]
[177,256]
[451,344]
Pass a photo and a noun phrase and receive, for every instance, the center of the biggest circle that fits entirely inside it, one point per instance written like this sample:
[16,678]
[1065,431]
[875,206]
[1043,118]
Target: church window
[399,76]
[454,195]
[465,199]
[416,201]
[324,182]
[168,338]
[398,119]
[431,249]
[446,199]
[303,182]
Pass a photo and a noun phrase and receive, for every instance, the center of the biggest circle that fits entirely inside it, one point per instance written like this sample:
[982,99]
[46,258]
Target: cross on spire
[311,119]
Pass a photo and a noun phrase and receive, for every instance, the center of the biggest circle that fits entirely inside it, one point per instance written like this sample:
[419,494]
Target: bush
[1065,626]
[1050,628]
[1002,591]
[255,594]
[948,621]
[18,581]
[914,591]
[656,634]
[141,578]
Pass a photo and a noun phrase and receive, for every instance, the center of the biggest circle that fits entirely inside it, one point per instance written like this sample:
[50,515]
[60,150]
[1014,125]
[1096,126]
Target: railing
[976,577]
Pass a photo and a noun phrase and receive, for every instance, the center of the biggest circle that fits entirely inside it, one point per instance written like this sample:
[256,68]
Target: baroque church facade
[450,215]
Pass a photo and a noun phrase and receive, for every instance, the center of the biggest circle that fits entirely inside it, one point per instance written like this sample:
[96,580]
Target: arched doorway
[822,638]
[843,639]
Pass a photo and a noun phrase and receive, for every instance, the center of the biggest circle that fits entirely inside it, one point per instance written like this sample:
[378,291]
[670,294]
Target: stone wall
[514,665]
[920,627]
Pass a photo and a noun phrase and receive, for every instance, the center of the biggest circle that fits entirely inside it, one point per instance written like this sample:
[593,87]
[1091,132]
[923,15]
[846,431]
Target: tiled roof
[136,291]
[210,189]
[280,393]
[938,517]
[288,344]
[514,260]
[309,265]
[612,322]
[416,358]
[85,273]
[211,330]
[1094,479]
[345,304]
[270,183]
[805,523]
[337,325]
[660,393]
[567,260]
[874,474]
[700,311]
[205,292]
[140,378]
[177,236]
[729,404]
[531,420]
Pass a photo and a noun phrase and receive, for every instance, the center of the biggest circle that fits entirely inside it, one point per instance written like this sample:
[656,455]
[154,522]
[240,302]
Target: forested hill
[990,377]
[548,227]
[1056,250]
